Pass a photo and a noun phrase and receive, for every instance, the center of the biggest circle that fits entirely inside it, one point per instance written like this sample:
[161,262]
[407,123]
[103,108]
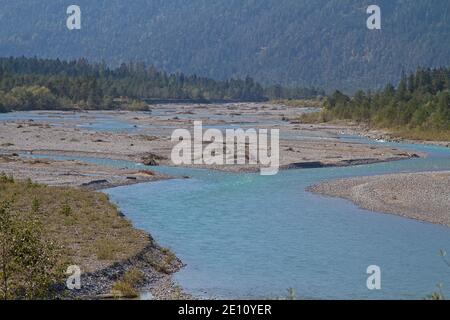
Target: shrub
[28,263]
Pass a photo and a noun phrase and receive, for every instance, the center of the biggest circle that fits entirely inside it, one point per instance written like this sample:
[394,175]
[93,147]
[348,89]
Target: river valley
[242,235]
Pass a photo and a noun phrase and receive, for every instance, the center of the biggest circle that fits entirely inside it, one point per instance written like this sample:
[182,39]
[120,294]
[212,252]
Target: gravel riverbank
[73,173]
[422,196]
[156,272]
[300,145]
[148,142]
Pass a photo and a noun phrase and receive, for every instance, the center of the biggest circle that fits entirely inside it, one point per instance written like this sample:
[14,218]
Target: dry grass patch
[423,134]
[164,263]
[315,117]
[300,103]
[84,223]
[128,286]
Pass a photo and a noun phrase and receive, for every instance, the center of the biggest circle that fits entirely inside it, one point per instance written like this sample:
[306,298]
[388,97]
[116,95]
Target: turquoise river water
[250,236]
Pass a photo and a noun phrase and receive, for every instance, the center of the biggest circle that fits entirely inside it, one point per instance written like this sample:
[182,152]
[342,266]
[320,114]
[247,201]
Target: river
[249,236]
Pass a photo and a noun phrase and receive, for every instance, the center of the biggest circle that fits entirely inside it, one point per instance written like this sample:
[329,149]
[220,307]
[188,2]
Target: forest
[299,43]
[418,107]
[36,84]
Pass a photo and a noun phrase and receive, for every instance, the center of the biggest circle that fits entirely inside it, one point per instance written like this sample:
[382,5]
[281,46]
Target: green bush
[28,263]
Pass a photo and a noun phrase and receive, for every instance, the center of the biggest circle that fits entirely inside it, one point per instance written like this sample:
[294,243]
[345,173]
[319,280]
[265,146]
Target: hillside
[322,43]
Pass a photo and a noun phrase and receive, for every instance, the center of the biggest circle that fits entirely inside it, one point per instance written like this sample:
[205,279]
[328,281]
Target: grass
[300,103]
[128,286]
[404,133]
[291,294]
[85,224]
[165,262]
[422,134]
[106,249]
[315,117]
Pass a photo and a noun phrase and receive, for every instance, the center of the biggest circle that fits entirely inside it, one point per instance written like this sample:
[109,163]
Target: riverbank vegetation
[45,229]
[301,103]
[128,286]
[38,84]
[29,263]
[418,108]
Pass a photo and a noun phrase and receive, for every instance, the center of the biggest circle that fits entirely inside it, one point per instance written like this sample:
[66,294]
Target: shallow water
[247,236]
[108,121]
[95,121]
[252,236]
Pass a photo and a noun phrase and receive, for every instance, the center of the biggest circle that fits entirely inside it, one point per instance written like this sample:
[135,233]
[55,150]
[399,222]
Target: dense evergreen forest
[419,107]
[321,43]
[31,83]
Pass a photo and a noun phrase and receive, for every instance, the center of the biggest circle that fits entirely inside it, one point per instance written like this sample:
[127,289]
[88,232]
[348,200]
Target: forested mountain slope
[322,43]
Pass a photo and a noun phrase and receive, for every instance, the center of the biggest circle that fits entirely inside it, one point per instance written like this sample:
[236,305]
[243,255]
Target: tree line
[420,103]
[33,84]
